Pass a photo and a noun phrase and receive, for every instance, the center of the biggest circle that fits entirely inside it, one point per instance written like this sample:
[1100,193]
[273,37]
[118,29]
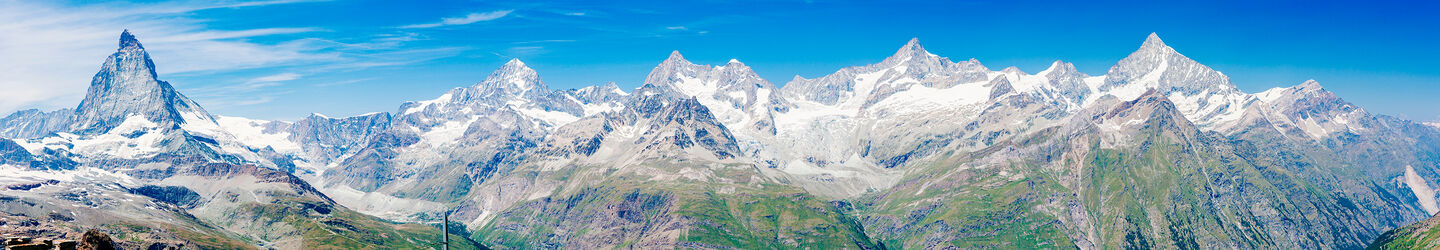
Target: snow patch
[422,104]
[1269,96]
[920,98]
[379,204]
[1422,190]
[251,133]
[554,118]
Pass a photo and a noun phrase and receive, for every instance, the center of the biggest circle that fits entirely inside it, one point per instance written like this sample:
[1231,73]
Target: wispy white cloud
[248,102]
[50,50]
[524,51]
[343,83]
[277,77]
[46,45]
[467,19]
[575,13]
[676,28]
[270,80]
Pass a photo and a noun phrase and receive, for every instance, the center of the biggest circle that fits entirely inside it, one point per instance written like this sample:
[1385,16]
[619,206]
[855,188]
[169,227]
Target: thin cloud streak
[46,51]
[467,19]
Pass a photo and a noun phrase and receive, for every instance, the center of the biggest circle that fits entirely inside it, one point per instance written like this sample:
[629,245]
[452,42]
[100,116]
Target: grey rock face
[602,94]
[33,123]
[178,195]
[513,85]
[690,124]
[1069,82]
[484,127]
[1171,71]
[911,61]
[732,91]
[668,121]
[127,85]
[329,138]
[999,87]
[12,153]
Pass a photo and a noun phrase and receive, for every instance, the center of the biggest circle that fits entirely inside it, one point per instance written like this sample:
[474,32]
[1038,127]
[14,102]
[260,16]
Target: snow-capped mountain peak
[675,56]
[127,85]
[1057,67]
[1310,84]
[1153,41]
[674,69]
[738,96]
[912,49]
[1013,70]
[1156,65]
[514,78]
[128,41]
[1204,95]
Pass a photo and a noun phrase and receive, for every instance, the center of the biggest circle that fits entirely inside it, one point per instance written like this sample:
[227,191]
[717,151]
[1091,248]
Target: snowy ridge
[855,131]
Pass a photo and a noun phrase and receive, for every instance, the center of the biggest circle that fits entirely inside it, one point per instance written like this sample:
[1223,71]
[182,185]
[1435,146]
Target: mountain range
[914,151]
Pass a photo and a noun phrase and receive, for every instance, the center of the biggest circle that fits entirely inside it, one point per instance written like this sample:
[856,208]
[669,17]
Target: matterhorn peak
[126,85]
[128,41]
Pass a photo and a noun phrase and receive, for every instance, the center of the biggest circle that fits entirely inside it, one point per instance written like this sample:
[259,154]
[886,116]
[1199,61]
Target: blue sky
[284,59]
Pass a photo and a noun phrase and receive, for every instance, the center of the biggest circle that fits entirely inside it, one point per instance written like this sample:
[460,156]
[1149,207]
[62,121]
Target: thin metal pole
[445,231]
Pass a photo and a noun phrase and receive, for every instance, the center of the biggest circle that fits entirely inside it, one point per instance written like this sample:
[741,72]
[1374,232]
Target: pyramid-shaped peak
[515,62]
[128,41]
[1153,41]
[127,85]
[911,48]
[1059,67]
[1013,69]
[1310,84]
[514,77]
[513,67]
[734,61]
[675,56]
[1062,65]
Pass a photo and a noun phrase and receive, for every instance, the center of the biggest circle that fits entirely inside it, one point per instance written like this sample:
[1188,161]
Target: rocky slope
[914,151]
[1057,158]
[149,166]
[1421,235]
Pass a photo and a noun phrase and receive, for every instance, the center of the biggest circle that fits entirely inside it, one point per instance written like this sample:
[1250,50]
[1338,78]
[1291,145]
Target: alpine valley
[914,151]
